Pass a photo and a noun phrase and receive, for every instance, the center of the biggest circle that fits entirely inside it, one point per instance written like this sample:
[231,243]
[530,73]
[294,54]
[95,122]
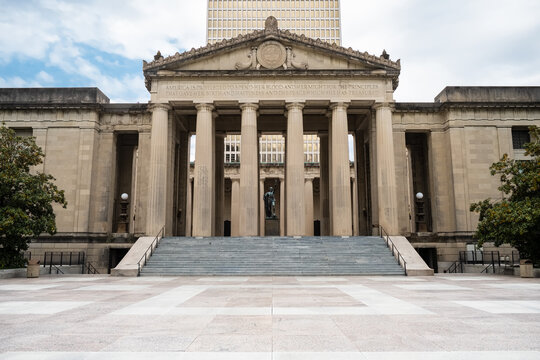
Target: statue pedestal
[271,227]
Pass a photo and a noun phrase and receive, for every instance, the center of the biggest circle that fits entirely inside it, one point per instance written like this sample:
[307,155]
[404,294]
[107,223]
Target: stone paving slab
[286,318]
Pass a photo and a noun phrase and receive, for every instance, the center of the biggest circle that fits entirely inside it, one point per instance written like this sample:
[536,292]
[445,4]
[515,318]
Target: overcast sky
[102,42]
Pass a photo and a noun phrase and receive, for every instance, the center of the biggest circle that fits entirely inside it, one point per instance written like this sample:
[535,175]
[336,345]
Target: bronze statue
[270,204]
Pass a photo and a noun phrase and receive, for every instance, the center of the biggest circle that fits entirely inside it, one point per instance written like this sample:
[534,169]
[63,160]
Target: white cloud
[444,43]
[44,77]
[17,82]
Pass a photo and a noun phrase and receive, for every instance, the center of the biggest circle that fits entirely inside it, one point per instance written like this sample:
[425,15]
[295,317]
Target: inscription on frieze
[269,90]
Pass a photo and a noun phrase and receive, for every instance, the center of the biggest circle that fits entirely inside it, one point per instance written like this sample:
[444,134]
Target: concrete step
[272,256]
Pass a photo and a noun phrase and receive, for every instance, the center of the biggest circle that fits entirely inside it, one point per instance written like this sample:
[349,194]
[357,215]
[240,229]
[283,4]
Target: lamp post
[123,223]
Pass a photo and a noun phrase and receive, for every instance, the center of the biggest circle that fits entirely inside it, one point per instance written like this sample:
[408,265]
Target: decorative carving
[251,64]
[158,56]
[271,54]
[293,64]
[271,24]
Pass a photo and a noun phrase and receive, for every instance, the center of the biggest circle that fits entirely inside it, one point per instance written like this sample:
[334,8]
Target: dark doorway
[317,228]
[418,152]
[429,255]
[115,256]
[227,228]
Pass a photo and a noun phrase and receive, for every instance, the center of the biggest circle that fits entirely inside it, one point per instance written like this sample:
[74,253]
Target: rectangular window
[519,138]
[23,132]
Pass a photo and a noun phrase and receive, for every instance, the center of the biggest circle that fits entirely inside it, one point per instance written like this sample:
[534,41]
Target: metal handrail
[89,267]
[395,251]
[151,248]
[58,270]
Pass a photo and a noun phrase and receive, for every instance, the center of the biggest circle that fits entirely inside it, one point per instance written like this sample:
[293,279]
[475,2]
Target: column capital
[295,106]
[308,179]
[382,105]
[159,106]
[249,106]
[204,107]
[339,106]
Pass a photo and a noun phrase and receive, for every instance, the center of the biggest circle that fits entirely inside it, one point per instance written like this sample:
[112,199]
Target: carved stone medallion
[271,54]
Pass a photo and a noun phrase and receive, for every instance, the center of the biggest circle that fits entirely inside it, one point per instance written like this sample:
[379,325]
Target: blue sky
[102,42]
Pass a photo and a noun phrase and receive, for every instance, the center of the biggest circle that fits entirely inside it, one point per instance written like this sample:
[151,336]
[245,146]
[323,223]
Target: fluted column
[308,198]
[249,172]
[235,204]
[294,175]
[324,199]
[220,183]
[157,184]
[204,182]
[340,205]
[386,170]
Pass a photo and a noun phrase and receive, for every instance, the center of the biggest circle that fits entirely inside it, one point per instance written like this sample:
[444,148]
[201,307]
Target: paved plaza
[285,318]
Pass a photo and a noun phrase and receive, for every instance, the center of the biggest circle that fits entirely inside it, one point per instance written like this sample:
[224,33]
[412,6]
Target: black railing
[492,260]
[63,258]
[56,268]
[395,252]
[456,267]
[89,269]
[148,253]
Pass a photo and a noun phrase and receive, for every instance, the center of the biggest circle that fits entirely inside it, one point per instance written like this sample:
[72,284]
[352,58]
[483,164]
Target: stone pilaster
[157,185]
[294,173]
[235,203]
[220,184]
[204,182]
[340,201]
[386,170]
[308,198]
[324,190]
[249,172]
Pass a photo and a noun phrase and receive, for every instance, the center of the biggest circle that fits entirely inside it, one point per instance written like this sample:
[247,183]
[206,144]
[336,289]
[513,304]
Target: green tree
[515,219]
[26,197]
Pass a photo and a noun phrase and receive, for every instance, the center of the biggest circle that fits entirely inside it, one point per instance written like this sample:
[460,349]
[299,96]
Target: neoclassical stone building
[271,81]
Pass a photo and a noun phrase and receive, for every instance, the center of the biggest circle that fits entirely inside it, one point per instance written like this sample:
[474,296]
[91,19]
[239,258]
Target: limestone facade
[97,150]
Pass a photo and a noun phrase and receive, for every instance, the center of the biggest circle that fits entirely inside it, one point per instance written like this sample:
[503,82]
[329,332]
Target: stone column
[220,183]
[340,202]
[262,215]
[386,170]
[308,197]
[324,195]
[294,175]
[204,177]
[249,172]
[235,203]
[157,184]
[282,207]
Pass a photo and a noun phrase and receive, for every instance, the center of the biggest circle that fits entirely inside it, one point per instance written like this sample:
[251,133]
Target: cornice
[161,62]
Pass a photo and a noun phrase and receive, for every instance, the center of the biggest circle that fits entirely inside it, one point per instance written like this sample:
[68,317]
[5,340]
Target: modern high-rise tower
[313,18]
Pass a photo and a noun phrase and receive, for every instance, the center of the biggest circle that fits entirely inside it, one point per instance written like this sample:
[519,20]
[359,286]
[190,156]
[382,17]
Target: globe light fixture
[419,196]
[124,196]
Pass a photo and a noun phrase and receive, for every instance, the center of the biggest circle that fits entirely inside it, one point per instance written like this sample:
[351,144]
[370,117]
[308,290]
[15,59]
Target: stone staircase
[272,256]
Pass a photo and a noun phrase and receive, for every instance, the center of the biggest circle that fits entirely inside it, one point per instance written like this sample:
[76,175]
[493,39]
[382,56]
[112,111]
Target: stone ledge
[129,264]
[415,264]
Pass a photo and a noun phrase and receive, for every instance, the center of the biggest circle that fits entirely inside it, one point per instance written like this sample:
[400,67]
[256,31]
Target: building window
[519,138]
[23,132]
